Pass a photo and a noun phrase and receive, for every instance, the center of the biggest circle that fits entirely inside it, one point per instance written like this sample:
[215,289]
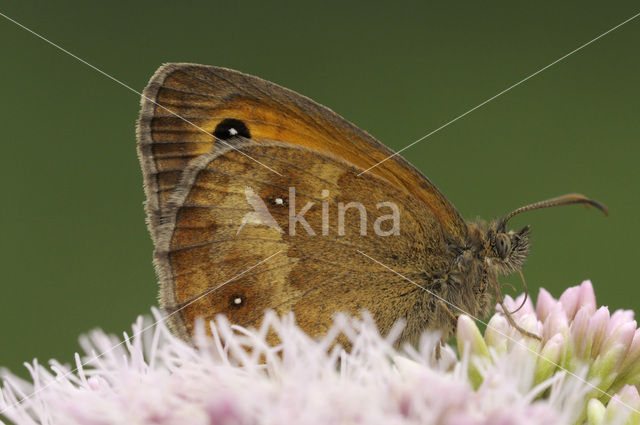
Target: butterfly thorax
[487,252]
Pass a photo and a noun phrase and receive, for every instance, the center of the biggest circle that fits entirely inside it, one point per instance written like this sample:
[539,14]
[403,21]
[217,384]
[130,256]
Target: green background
[74,249]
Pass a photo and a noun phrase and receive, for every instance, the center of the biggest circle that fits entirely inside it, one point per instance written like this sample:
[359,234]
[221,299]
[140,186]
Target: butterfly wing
[186,105]
[226,245]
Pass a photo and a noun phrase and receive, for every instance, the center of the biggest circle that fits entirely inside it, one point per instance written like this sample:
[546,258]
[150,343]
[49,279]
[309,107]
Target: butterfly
[258,198]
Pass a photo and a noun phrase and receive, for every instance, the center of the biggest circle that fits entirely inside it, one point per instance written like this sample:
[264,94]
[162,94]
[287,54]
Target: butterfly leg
[516,326]
[453,318]
[438,349]
[449,313]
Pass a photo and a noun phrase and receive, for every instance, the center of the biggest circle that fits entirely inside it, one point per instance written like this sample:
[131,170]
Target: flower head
[577,339]
[235,377]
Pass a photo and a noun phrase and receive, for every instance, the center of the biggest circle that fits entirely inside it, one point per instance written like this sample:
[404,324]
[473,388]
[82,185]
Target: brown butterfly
[256,200]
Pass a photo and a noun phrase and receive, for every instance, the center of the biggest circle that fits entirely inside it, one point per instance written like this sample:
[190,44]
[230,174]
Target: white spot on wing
[260,214]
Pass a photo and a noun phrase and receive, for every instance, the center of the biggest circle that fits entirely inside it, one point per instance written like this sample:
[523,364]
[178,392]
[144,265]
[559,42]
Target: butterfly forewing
[184,105]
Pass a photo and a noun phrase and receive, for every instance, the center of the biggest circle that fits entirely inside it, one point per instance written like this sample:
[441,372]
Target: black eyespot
[237,300]
[231,127]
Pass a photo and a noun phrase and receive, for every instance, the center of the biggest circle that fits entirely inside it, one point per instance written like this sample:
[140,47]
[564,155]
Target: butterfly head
[508,250]
[501,251]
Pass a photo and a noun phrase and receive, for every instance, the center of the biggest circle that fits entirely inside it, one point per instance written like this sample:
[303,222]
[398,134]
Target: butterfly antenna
[572,198]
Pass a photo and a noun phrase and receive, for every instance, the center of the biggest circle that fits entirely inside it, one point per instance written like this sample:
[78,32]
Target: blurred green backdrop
[75,253]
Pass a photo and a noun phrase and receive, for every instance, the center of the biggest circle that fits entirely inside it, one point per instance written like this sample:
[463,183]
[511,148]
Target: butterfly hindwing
[215,236]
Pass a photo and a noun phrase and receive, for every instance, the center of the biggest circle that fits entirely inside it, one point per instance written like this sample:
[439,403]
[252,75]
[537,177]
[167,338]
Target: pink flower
[576,338]
[157,379]
[583,370]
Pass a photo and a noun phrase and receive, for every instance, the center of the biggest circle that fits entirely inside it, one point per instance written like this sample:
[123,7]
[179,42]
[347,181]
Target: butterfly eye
[231,127]
[503,245]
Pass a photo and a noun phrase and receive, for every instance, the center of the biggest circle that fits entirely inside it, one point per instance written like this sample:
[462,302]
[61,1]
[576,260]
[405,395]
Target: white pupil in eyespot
[237,301]
[279,201]
[233,131]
